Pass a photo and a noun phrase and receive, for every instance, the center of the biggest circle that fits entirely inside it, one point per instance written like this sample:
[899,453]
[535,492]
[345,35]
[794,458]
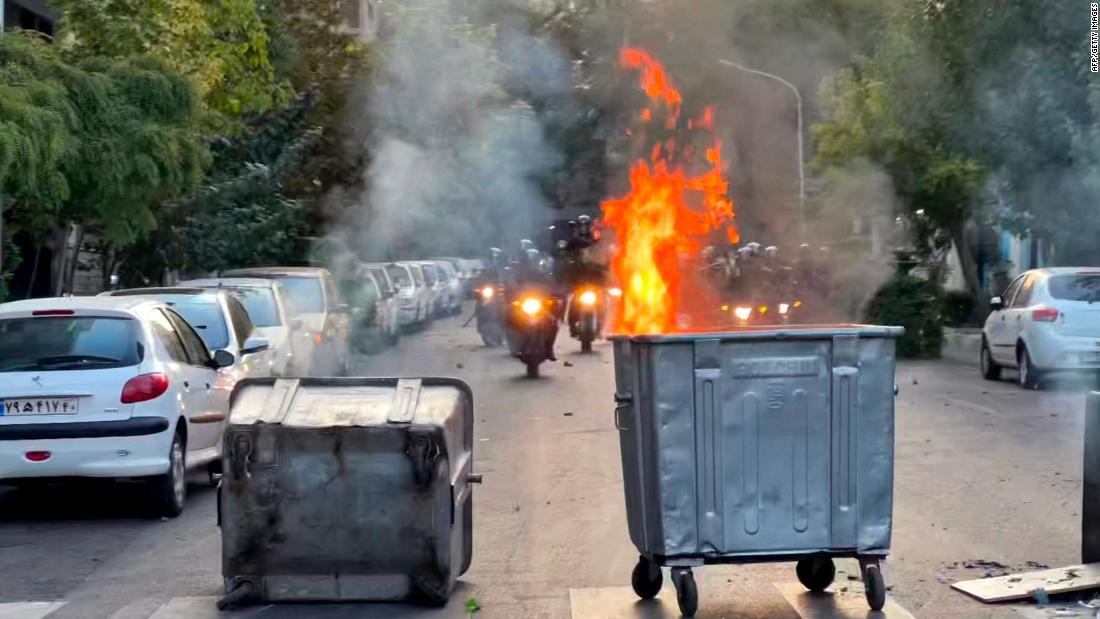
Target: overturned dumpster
[339,489]
[762,444]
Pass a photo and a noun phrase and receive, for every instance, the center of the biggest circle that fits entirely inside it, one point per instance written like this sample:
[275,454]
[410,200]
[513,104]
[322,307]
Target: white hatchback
[1047,320]
[107,387]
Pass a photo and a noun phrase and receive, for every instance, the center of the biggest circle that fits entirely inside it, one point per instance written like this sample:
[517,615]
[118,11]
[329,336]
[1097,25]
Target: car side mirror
[254,345]
[223,359]
[996,303]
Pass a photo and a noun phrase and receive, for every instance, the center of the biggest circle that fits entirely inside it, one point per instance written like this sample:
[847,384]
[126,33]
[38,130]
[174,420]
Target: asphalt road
[984,471]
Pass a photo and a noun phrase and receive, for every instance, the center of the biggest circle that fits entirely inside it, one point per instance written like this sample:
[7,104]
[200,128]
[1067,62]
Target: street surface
[984,471]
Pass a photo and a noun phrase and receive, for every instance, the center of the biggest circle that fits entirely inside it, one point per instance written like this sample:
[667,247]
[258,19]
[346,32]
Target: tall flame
[667,213]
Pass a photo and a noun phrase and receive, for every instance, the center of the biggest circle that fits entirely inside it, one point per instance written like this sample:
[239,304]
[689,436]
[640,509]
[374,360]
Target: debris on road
[1037,584]
[568,364]
[459,366]
[567,414]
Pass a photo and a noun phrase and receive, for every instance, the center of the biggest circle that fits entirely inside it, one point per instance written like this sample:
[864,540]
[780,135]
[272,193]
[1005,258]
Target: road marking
[28,610]
[836,605]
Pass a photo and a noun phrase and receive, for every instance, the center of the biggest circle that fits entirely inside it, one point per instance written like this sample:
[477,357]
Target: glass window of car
[1010,292]
[430,275]
[1079,287]
[383,281]
[49,343]
[418,274]
[305,294]
[1023,297]
[197,352]
[260,305]
[165,333]
[242,323]
[400,276]
[206,317]
[360,291]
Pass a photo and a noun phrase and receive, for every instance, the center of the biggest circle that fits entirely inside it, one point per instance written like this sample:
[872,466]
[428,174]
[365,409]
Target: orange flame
[666,214]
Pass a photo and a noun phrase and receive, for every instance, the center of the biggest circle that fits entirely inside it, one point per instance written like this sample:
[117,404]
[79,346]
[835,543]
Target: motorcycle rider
[530,276]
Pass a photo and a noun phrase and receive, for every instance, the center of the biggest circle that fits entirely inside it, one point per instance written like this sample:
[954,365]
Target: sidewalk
[962,345]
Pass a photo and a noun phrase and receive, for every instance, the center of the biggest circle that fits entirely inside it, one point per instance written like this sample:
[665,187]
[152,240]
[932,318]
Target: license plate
[39,406]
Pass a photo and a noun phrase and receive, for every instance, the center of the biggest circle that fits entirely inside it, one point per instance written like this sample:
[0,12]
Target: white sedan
[108,388]
[1047,320]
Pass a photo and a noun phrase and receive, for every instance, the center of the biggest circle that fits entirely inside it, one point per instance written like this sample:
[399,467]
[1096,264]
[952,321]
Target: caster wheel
[687,595]
[816,574]
[646,579]
[874,587]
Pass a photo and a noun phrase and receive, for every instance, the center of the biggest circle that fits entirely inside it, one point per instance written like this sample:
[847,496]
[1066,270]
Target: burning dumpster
[763,444]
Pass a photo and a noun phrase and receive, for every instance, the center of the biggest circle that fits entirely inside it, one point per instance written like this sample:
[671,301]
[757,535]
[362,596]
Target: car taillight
[37,456]
[144,388]
[1044,314]
[52,313]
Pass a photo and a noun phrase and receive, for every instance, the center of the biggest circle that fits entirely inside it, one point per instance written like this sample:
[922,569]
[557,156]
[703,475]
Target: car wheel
[170,490]
[990,369]
[1028,375]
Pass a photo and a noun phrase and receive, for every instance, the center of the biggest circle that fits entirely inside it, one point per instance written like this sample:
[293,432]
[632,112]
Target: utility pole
[801,149]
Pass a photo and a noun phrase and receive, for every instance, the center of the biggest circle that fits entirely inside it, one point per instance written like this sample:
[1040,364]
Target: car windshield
[206,317]
[260,305]
[305,293]
[43,344]
[1080,287]
[400,276]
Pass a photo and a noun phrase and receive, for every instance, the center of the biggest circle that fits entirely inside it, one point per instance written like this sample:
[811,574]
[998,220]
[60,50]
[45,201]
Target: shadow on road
[82,500]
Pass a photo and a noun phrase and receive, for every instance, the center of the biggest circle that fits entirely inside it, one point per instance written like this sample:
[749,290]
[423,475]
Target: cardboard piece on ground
[1021,586]
[833,604]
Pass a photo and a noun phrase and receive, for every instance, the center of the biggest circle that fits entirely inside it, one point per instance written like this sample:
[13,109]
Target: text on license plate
[39,406]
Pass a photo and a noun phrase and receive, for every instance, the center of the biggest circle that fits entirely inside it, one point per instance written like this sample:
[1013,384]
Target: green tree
[222,46]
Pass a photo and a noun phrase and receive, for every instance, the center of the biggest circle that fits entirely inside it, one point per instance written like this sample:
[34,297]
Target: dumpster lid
[770,332]
[325,402]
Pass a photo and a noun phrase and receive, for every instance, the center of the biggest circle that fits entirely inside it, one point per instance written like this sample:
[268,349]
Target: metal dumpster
[763,444]
[346,489]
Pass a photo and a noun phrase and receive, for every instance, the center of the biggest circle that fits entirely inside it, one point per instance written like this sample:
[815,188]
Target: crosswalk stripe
[28,610]
[848,604]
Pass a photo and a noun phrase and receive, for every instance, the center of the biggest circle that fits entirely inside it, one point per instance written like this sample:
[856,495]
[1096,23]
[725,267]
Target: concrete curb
[962,345]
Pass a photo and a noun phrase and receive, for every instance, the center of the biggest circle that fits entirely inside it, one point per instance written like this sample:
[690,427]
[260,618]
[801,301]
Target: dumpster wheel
[646,579]
[687,594]
[816,573]
[874,586]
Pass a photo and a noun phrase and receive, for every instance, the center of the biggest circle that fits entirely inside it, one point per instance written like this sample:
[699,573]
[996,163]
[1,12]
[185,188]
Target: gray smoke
[457,160]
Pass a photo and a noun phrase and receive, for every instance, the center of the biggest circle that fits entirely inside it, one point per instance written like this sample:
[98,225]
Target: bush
[915,304]
[958,308]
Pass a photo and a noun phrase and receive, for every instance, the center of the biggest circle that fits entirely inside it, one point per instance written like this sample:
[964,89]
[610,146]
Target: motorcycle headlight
[588,297]
[743,313]
[487,293]
[784,308]
[531,306]
[615,292]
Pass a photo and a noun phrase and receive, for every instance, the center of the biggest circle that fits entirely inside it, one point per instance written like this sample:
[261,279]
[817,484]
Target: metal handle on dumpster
[622,400]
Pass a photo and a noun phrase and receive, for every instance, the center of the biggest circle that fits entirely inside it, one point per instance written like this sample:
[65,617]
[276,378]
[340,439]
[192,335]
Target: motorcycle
[748,315]
[488,313]
[532,327]
[585,316]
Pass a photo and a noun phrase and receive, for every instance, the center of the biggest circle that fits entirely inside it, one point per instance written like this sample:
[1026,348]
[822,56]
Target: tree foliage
[222,46]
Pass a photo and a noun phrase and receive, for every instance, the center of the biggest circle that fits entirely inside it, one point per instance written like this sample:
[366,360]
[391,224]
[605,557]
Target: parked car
[414,298]
[272,315]
[221,321]
[324,317]
[455,292]
[433,278]
[464,271]
[1047,320]
[389,320]
[363,297]
[107,387]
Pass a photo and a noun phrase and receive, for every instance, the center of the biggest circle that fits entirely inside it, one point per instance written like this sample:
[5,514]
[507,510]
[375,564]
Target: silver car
[272,314]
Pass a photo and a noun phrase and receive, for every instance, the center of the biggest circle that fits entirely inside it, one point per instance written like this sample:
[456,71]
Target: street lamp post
[801,150]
